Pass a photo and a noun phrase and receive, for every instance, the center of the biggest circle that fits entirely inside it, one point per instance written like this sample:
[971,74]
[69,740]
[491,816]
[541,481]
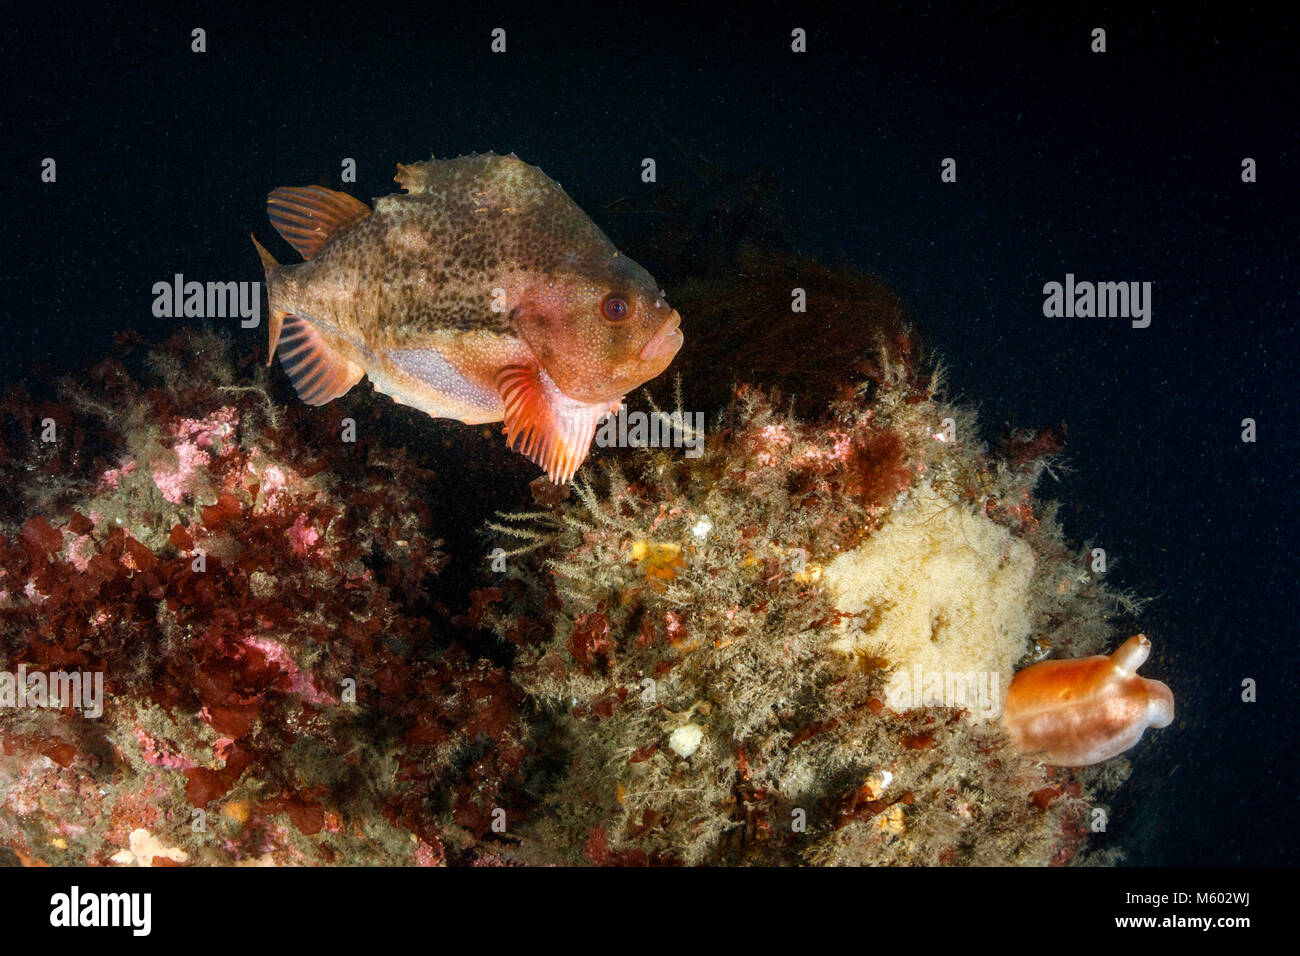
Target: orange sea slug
[1074,713]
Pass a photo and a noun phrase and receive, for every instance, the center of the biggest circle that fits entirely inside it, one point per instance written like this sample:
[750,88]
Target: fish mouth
[665,343]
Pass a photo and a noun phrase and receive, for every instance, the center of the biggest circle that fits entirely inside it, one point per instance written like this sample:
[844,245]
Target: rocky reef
[790,648]
[253,588]
[717,644]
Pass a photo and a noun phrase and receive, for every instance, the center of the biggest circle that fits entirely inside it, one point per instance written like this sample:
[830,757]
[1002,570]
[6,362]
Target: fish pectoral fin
[307,216]
[545,425]
[319,374]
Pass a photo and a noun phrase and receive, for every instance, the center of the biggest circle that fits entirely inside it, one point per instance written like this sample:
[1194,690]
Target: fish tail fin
[268,260]
[276,320]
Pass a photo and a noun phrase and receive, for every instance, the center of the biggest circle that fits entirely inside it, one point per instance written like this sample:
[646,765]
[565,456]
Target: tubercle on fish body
[1074,713]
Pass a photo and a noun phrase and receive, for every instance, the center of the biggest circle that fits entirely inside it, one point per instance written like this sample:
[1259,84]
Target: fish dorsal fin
[472,171]
[485,179]
[499,189]
[319,374]
[307,216]
[545,425]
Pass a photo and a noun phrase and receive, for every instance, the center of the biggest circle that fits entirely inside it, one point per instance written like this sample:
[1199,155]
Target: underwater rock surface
[719,659]
[682,624]
[257,607]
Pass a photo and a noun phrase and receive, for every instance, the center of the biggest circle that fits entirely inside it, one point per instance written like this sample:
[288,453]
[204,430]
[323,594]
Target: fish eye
[615,308]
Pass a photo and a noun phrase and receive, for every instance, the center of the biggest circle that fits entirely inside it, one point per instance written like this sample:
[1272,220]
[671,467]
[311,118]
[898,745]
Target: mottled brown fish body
[482,294]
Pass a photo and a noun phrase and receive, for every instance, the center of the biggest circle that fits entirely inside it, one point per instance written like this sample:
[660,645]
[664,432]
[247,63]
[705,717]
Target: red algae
[273,689]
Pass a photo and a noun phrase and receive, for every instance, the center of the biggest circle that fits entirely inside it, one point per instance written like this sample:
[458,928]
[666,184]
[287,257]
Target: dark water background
[1124,166]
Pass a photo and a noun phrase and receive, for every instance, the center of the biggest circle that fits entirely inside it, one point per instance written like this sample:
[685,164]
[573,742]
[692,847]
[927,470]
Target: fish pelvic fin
[319,374]
[309,216]
[545,425]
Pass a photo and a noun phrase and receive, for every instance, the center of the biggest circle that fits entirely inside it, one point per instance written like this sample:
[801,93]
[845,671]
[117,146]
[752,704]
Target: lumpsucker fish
[482,294]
